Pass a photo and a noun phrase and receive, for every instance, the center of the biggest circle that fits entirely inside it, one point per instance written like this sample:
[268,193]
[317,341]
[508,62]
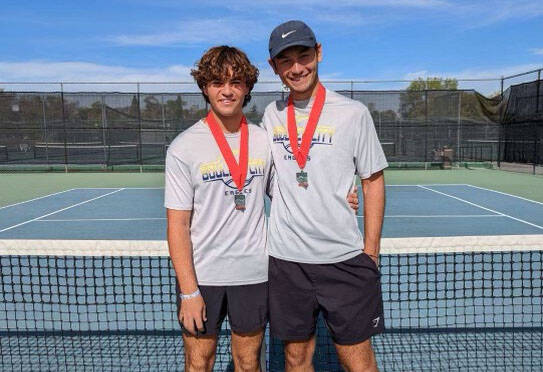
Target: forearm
[374,208]
[180,248]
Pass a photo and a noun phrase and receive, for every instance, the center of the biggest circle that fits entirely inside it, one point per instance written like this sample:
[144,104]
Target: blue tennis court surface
[138,214]
[86,284]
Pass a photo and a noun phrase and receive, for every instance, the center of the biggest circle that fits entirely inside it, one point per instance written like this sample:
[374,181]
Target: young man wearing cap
[217,172]
[319,260]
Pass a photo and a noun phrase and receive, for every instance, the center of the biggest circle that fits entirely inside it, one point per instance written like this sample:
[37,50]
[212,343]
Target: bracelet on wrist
[196,293]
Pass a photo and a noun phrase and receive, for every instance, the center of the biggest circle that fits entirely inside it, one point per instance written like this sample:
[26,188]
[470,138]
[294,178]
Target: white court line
[41,197]
[144,188]
[124,188]
[431,184]
[504,193]
[105,219]
[60,210]
[440,216]
[480,206]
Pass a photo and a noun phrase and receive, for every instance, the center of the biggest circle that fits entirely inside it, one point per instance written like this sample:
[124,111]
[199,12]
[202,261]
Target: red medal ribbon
[301,152]
[237,171]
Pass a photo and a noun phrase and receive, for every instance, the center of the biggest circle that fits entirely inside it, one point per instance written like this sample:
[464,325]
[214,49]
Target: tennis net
[450,304]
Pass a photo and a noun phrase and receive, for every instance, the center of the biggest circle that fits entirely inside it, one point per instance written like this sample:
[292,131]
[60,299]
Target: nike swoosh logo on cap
[288,33]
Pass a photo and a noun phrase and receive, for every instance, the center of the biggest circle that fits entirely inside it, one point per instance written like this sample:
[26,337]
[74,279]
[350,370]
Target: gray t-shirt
[229,246]
[316,225]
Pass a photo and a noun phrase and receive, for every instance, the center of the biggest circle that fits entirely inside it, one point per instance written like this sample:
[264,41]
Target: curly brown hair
[216,64]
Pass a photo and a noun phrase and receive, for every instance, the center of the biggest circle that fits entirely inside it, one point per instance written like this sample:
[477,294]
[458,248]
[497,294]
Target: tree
[413,104]
[151,108]
[433,83]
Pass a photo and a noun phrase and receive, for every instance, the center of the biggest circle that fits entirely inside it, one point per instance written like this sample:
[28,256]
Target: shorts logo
[217,170]
[375,322]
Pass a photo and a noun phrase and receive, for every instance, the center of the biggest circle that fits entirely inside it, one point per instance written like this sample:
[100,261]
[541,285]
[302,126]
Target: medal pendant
[301,177]
[239,200]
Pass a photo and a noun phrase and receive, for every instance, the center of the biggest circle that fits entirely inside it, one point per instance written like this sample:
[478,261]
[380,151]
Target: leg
[293,311]
[246,351]
[358,357]
[199,352]
[248,315]
[299,355]
[352,305]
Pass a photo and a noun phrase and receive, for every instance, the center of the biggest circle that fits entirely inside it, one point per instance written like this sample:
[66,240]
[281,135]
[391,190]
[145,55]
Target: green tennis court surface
[86,282]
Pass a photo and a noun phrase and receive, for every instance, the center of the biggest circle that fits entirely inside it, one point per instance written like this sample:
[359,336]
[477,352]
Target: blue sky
[363,40]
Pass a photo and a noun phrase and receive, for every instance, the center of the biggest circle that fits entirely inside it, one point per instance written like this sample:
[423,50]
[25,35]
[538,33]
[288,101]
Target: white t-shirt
[316,225]
[229,246]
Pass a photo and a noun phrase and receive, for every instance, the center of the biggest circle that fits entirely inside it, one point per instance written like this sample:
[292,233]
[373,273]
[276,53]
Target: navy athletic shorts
[348,294]
[246,306]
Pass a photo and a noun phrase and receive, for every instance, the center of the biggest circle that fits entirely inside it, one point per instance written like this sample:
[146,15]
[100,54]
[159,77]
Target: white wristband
[190,295]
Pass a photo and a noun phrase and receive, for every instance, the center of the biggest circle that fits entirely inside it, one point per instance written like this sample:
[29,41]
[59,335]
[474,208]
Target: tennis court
[86,283]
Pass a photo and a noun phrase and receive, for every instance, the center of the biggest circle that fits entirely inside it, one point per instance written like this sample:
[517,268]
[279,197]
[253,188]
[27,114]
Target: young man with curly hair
[217,172]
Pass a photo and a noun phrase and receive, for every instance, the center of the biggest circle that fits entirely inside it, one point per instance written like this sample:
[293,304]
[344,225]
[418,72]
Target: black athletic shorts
[246,306]
[347,293]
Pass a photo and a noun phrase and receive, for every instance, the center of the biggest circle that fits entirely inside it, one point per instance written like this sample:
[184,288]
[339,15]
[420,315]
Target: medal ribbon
[237,171]
[301,152]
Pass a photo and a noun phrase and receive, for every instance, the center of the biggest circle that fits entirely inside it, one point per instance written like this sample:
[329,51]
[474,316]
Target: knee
[299,357]
[358,363]
[370,367]
[247,363]
[199,363]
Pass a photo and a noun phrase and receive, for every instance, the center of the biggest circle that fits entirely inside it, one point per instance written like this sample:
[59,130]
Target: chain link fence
[135,128]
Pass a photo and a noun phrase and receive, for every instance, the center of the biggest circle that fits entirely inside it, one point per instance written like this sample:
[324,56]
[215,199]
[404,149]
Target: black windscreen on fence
[522,136]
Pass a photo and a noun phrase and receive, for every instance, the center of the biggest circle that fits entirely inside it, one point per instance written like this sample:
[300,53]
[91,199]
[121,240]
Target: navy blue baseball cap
[289,34]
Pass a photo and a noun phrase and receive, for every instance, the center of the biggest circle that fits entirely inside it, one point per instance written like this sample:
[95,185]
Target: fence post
[501,89]
[537,93]
[459,127]
[163,132]
[45,129]
[352,89]
[162,111]
[182,117]
[104,130]
[425,127]
[536,138]
[64,127]
[140,145]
